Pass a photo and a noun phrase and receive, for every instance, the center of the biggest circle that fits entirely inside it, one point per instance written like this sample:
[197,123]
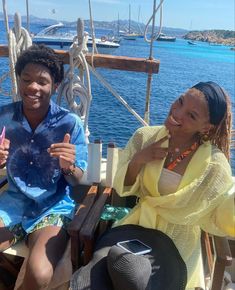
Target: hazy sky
[188,14]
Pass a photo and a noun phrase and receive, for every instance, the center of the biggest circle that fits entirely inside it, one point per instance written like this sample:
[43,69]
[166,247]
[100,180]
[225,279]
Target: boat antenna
[27,13]
[129,18]
[94,48]
[118,26]
[149,80]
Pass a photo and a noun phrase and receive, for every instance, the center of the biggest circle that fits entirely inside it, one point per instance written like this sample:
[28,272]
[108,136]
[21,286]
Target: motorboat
[62,36]
[164,37]
[191,42]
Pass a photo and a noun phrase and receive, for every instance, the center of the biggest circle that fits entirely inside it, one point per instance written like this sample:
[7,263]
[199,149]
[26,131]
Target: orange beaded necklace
[178,159]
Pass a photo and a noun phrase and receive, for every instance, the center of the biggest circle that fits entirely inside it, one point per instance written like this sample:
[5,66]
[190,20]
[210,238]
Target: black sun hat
[168,269]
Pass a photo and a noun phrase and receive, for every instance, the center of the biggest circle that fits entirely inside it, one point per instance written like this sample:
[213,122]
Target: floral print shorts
[50,220]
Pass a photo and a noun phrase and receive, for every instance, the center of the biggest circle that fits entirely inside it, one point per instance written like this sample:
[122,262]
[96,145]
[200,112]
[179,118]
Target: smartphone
[2,136]
[134,246]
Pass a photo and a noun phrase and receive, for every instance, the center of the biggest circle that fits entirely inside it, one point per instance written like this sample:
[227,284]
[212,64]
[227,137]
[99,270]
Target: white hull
[55,36]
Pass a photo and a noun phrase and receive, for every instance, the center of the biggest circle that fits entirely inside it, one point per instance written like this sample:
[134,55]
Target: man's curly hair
[44,55]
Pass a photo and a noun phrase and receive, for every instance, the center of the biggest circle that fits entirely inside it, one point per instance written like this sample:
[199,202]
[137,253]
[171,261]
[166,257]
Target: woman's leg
[46,247]
[6,237]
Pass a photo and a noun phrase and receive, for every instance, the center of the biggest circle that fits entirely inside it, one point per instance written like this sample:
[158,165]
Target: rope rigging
[149,80]
[154,36]
[18,40]
[73,85]
[104,82]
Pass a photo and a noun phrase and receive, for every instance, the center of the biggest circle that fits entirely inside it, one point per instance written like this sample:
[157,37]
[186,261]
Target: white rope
[155,36]
[2,79]
[73,85]
[116,95]
[18,40]
[4,8]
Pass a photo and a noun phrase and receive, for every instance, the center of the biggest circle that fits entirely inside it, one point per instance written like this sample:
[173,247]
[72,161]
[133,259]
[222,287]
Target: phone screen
[134,246]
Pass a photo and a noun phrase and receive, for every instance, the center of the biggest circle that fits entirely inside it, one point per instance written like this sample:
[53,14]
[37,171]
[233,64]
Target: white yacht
[62,36]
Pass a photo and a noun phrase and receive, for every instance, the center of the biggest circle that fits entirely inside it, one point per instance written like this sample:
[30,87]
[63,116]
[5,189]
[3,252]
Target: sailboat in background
[140,34]
[191,41]
[130,35]
[115,37]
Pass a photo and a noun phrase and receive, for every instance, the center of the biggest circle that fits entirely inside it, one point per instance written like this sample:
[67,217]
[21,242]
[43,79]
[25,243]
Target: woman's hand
[4,152]
[65,152]
[151,152]
[148,154]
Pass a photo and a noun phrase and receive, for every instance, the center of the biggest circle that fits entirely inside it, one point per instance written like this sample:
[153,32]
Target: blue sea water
[181,66]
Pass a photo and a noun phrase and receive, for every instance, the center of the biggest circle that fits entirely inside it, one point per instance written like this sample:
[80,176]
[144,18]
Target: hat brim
[168,268]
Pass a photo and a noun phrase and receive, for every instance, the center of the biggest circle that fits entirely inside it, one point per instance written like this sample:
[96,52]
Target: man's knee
[6,238]
[37,275]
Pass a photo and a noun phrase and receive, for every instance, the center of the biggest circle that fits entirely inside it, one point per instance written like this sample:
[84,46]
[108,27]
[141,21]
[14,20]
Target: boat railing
[135,64]
[51,29]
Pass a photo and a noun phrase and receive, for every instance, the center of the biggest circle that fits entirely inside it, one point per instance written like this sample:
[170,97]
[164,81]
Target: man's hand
[4,152]
[65,152]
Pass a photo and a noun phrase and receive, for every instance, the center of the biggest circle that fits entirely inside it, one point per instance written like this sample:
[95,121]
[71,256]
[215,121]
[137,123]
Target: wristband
[68,171]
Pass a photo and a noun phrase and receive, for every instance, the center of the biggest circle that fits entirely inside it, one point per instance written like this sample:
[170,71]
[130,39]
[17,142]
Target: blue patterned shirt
[36,186]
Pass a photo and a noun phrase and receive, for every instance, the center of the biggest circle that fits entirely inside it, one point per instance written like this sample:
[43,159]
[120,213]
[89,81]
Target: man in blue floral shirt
[45,152]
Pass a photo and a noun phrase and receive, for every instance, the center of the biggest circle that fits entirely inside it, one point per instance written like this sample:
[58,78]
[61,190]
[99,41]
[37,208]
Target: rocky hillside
[225,37]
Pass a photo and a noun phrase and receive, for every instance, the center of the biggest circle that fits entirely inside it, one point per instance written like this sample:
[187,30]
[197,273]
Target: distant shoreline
[213,37]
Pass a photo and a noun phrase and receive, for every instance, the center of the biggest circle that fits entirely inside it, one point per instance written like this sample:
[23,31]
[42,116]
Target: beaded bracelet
[68,172]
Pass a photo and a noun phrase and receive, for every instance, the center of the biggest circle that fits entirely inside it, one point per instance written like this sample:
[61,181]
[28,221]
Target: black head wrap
[216,100]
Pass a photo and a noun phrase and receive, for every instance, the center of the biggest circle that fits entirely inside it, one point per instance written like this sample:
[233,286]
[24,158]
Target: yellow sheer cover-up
[203,200]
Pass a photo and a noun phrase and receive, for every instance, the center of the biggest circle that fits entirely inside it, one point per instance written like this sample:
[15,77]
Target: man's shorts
[50,220]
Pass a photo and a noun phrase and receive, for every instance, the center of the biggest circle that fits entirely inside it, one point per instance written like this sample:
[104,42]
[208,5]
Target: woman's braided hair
[41,54]
[221,134]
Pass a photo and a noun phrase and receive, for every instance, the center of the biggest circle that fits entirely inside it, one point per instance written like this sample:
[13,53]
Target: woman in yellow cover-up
[181,175]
